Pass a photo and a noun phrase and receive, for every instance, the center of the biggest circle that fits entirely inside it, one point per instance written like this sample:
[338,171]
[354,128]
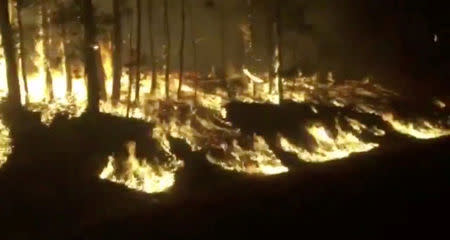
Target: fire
[5,143]
[421,129]
[138,174]
[328,147]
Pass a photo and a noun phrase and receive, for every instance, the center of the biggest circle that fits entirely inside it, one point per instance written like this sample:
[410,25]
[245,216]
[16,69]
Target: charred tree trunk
[46,43]
[194,50]
[183,26]
[222,48]
[67,56]
[270,49]
[280,51]
[249,48]
[101,75]
[130,65]
[117,51]
[138,50]
[22,48]
[90,56]
[152,47]
[10,55]
[167,31]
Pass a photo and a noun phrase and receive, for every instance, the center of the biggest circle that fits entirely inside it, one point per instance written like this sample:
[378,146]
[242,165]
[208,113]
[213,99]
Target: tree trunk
[194,49]
[270,48]
[22,48]
[167,31]
[183,26]
[10,55]
[67,65]
[117,51]
[90,56]
[46,39]
[101,75]
[280,51]
[138,50]
[130,66]
[152,47]
[249,48]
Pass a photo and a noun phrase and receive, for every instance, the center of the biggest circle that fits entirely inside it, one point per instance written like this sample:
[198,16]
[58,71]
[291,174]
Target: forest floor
[50,187]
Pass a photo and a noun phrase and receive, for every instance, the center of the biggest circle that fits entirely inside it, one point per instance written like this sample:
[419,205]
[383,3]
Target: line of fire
[168,98]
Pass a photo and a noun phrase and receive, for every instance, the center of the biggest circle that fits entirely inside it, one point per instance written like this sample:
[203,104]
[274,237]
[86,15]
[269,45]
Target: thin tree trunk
[67,65]
[46,39]
[249,48]
[10,55]
[138,50]
[168,50]
[22,49]
[280,51]
[194,49]
[183,29]
[130,68]
[90,56]
[222,47]
[117,51]
[270,49]
[101,75]
[152,46]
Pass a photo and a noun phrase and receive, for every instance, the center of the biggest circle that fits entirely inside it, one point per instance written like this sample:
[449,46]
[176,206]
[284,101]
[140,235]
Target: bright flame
[5,143]
[328,147]
[421,129]
[138,174]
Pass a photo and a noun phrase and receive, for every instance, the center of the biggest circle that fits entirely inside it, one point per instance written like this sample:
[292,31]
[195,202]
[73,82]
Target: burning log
[10,55]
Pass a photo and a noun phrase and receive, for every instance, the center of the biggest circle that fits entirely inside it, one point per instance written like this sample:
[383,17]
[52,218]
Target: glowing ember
[138,174]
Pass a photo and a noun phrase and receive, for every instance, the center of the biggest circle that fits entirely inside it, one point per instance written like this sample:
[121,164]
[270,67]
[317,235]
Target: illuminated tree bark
[22,47]
[131,63]
[280,51]
[167,32]
[138,49]
[10,55]
[90,56]
[183,26]
[46,39]
[152,47]
[194,50]
[117,51]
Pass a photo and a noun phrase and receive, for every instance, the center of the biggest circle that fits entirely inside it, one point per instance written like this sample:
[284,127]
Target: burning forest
[225,81]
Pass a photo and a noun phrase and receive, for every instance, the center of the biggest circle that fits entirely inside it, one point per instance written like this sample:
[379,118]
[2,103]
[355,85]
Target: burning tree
[10,55]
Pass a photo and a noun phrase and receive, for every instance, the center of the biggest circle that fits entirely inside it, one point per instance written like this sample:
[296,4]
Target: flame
[327,147]
[138,174]
[5,143]
[421,129]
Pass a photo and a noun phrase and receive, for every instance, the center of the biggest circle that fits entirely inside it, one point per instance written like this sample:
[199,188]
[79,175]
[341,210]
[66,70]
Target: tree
[90,46]
[183,26]
[167,32]
[138,49]
[278,24]
[46,41]
[194,50]
[117,51]
[10,55]
[152,46]
[19,6]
